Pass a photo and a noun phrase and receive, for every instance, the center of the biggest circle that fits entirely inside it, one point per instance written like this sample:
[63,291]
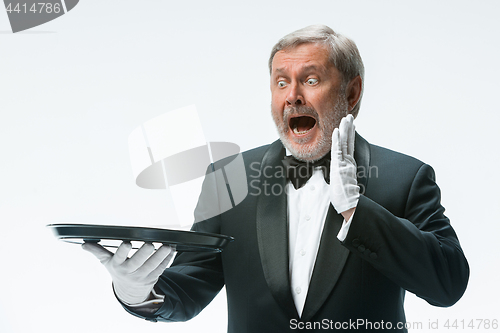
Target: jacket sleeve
[189,285]
[419,251]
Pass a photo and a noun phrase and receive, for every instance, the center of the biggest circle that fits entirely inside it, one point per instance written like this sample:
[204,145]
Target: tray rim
[224,239]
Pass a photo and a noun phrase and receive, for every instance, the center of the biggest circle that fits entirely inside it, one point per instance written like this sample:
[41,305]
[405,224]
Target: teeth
[296,131]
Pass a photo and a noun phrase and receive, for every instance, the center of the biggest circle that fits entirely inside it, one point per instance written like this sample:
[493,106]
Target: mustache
[299,111]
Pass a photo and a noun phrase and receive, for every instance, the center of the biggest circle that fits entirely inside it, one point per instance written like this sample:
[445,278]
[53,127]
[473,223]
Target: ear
[353,92]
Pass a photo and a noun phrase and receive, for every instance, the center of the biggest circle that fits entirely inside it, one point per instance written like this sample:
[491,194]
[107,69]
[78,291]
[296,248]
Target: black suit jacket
[399,240]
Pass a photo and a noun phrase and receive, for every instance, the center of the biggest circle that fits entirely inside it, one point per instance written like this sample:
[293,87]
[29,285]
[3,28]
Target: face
[307,102]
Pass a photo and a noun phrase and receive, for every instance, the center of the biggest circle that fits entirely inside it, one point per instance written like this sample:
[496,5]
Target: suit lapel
[332,256]
[362,157]
[272,228]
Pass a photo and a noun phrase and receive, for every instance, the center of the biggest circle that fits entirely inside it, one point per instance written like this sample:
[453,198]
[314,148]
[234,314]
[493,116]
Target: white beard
[310,152]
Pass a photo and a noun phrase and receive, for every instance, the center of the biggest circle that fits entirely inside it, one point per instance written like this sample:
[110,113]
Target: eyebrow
[279,70]
[304,69]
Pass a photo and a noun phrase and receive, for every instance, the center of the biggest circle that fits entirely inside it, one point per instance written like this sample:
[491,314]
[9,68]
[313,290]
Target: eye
[281,84]
[312,82]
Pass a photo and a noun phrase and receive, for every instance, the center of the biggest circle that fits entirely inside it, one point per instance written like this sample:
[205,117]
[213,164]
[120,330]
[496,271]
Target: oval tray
[187,241]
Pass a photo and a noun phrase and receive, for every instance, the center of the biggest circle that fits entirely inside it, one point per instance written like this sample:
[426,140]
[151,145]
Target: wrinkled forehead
[303,57]
[296,45]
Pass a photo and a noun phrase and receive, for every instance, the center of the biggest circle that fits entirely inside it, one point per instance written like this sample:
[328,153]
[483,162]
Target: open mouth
[302,125]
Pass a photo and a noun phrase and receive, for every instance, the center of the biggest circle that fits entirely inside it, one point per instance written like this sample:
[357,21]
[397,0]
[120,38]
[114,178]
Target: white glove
[133,278]
[344,189]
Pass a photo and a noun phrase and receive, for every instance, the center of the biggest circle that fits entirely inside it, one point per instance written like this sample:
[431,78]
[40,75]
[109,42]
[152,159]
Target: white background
[73,89]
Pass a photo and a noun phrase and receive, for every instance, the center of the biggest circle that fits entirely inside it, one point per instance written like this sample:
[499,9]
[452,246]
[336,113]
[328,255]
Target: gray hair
[344,54]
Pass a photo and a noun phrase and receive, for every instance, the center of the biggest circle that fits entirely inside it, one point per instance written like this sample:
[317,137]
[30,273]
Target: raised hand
[344,189]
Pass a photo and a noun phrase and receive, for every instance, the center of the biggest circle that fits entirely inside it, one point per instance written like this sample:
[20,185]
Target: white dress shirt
[307,209]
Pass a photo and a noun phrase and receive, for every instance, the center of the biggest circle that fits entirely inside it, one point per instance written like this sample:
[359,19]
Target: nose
[295,96]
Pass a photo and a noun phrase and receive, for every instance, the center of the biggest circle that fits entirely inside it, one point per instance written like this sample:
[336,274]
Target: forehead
[303,56]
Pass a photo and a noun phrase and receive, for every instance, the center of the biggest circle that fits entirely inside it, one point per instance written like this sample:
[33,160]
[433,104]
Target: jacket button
[355,242]
[373,255]
[361,248]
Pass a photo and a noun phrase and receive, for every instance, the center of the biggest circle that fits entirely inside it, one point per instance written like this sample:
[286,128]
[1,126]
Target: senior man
[353,228]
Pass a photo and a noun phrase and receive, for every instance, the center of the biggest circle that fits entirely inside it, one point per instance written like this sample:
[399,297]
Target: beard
[326,125]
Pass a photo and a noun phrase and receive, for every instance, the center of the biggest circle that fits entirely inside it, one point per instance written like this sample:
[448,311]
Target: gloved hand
[133,278]
[344,189]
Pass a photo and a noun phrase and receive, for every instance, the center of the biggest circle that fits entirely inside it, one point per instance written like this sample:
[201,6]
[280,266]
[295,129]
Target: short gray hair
[344,54]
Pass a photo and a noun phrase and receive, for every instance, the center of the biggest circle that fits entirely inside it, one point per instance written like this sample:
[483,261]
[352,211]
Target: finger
[163,264]
[121,253]
[343,130]
[335,142]
[157,258]
[140,257]
[351,135]
[98,251]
